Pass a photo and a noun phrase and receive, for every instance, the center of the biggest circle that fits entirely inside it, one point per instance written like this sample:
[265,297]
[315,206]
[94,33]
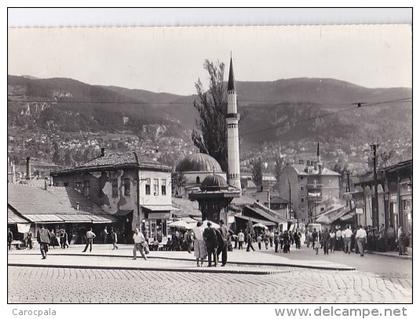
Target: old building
[55,207]
[395,197]
[136,191]
[309,187]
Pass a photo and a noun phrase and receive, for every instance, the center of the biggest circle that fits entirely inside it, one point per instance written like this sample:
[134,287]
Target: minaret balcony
[233,116]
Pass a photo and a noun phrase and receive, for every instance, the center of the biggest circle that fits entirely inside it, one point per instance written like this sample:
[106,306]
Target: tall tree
[257,172]
[210,137]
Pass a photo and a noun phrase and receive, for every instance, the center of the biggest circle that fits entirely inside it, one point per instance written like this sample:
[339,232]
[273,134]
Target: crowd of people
[212,243]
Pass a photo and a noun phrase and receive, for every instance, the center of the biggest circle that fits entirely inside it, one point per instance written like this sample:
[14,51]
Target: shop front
[157,218]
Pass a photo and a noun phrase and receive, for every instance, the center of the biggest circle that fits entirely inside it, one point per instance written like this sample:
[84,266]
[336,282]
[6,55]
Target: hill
[282,111]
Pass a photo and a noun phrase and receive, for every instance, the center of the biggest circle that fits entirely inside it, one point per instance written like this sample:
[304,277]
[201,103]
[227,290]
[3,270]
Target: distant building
[138,192]
[309,187]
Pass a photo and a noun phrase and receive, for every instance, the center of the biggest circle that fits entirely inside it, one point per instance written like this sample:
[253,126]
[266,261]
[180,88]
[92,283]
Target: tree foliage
[210,137]
[257,172]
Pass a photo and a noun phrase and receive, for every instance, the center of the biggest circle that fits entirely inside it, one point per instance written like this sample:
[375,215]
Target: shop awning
[102,219]
[348,216]
[13,218]
[75,218]
[256,220]
[47,218]
[160,208]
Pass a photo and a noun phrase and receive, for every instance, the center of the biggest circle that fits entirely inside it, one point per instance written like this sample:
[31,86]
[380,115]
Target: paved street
[369,283]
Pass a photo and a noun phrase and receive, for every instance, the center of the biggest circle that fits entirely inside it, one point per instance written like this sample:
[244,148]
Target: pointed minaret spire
[232,121]
[231,80]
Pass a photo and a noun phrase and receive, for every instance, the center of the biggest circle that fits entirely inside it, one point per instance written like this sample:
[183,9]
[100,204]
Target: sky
[170,59]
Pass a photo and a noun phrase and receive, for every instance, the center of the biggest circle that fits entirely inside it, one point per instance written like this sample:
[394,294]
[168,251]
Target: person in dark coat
[223,241]
[286,242]
[9,238]
[325,241]
[276,242]
[297,236]
[44,240]
[210,238]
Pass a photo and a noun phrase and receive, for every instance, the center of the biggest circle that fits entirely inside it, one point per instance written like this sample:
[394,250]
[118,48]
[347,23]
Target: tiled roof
[116,160]
[13,218]
[28,200]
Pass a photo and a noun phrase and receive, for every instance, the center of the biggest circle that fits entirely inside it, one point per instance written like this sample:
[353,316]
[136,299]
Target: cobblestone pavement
[70,285]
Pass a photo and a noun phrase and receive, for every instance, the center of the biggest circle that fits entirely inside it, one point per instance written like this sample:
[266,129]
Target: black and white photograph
[210,164]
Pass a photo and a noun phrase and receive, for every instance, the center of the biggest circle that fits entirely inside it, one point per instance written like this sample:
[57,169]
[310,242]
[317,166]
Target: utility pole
[290,197]
[348,188]
[375,178]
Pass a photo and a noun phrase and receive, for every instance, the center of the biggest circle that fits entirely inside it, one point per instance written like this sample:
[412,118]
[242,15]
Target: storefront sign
[165,215]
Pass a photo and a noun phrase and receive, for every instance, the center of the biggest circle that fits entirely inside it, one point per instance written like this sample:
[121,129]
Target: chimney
[102,151]
[28,168]
[77,206]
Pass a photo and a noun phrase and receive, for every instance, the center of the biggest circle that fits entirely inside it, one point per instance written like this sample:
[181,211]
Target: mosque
[200,177]
[193,169]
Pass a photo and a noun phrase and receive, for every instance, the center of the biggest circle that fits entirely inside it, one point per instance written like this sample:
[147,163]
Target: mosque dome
[198,162]
[213,183]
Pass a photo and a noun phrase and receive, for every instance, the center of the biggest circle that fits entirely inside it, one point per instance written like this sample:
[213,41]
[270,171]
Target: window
[163,187]
[78,186]
[301,188]
[197,180]
[156,186]
[126,187]
[114,183]
[147,186]
[302,199]
[86,188]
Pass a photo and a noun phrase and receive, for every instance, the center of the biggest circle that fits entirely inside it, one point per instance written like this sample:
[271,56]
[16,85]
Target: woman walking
[200,249]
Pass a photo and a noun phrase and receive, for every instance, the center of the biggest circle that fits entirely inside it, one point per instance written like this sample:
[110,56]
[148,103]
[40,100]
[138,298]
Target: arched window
[197,180]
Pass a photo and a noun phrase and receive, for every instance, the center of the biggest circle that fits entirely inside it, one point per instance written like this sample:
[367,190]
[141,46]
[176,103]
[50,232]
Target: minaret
[318,159]
[232,119]
[318,155]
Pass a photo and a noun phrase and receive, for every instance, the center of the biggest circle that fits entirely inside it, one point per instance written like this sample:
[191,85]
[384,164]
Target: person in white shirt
[200,249]
[332,240]
[90,235]
[347,239]
[241,239]
[361,237]
[139,242]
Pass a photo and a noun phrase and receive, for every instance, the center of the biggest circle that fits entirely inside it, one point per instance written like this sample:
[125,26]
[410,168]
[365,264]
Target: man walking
[347,240]
[139,243]
[210,238]
[43,238]
[90,235]
[249,242]
[114,239]
[361,236]
[225,238]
